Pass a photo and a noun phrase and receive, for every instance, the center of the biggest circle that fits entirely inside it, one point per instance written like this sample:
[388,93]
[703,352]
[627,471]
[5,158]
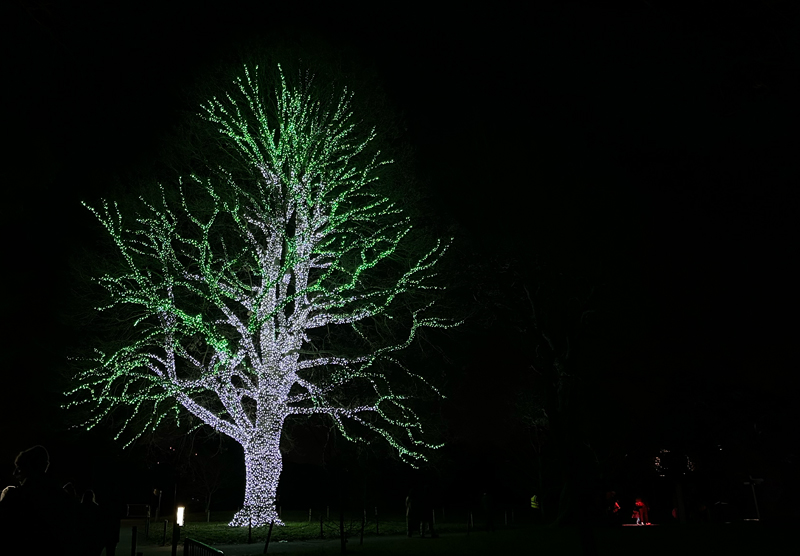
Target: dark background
[645,149]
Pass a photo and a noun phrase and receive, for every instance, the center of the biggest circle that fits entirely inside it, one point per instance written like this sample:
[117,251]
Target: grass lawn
[303,538]
[296,528]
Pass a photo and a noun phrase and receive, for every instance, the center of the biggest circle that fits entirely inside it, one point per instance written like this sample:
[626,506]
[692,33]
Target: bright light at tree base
[263,466]
[260,517]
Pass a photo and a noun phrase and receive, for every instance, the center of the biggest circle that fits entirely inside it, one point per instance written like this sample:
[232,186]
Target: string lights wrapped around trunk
[234,295]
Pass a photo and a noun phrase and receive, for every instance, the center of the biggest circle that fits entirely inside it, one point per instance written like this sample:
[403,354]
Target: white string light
[223,319]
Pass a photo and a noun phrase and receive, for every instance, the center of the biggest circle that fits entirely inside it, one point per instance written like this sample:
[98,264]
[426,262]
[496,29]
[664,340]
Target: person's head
[69,488]
[32,462]
[88,497]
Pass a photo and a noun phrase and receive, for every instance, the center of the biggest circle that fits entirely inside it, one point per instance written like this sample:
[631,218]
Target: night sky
[646,150]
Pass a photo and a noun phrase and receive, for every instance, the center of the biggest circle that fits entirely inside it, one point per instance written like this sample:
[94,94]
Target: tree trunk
[263,465]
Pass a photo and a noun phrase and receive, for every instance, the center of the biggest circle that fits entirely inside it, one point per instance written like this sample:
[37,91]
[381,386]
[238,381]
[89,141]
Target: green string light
[226,301]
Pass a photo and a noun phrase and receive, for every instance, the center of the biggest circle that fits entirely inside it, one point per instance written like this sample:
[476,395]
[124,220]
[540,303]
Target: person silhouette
[36,509]
[641,513]
[69,488]
[612,508]
[91,525]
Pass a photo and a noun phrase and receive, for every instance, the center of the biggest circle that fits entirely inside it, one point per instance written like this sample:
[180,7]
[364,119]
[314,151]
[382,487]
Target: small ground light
[180,516]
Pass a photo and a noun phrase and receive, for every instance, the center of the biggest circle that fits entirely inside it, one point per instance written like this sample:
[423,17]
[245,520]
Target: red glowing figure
[640,513]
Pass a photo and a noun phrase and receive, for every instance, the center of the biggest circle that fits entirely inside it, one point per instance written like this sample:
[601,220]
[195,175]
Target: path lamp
[176,529]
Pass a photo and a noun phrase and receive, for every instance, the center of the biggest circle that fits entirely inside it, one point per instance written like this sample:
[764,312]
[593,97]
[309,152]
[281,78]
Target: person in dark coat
[112,514]
[91,524]
[38,515]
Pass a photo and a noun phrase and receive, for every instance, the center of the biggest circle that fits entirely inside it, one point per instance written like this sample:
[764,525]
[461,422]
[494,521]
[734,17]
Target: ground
[734,539]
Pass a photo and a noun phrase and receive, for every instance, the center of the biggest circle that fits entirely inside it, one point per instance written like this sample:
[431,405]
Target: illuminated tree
[273,288]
